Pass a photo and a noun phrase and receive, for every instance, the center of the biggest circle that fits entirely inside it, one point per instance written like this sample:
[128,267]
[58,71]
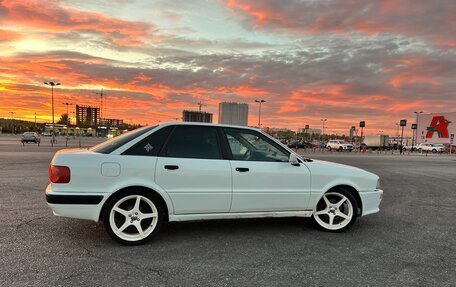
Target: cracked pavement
[410,242]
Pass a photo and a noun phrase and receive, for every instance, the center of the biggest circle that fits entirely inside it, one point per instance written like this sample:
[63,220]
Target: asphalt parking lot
[411,242]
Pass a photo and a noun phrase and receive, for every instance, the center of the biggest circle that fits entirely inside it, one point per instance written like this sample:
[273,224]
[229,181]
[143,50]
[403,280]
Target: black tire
[332,197]
[146,198]
[341,149]
[434,151]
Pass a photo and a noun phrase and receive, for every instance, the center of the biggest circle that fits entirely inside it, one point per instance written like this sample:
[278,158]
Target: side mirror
[293,160]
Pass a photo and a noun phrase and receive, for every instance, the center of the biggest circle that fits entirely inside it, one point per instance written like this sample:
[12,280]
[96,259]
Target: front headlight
[378,184]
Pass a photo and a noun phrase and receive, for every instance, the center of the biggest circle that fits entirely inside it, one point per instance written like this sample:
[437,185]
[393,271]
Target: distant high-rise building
[233,114]
[196,116]
[87,115]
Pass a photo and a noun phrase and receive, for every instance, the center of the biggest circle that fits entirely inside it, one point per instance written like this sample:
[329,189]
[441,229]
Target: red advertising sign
[438,125]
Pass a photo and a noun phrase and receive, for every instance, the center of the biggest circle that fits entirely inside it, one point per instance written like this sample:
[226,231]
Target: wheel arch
[137,187]
[353,191]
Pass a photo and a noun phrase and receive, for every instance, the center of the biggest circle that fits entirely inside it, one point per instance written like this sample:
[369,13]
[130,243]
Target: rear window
[114,143]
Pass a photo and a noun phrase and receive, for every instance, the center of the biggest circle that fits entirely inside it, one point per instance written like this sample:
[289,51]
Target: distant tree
[63,119]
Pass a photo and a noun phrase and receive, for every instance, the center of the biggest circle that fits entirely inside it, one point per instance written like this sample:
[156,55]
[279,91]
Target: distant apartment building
[87,115]
[196,116]
[309,131]
[233,114]
[112,122]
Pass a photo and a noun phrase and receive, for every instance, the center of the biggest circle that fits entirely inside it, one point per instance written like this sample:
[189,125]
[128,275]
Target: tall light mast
[102,93]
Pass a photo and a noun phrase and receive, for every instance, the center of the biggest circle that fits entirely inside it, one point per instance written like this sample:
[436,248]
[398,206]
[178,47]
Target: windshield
[114,143]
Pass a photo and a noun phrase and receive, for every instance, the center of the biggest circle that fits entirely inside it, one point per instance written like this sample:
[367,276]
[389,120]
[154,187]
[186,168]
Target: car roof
[206,124]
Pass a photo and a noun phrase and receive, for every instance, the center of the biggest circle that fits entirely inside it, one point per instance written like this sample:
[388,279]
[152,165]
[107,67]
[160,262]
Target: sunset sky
[346,61]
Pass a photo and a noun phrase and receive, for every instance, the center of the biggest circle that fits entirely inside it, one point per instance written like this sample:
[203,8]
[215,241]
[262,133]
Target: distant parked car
[30,137]
[46,134]
[300,144]
[428,147]
[450,148]
[410,147]
[339,145]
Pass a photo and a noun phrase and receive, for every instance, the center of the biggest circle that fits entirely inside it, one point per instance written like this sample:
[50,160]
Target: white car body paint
[208,189]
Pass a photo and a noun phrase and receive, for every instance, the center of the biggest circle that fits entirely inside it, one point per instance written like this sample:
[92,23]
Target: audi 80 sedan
[194,171]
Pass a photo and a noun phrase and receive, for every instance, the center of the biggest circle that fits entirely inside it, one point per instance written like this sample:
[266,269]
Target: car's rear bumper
[371,201]
[77,205]
[73,199]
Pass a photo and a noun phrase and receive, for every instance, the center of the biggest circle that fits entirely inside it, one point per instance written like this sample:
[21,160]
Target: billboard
[436,128]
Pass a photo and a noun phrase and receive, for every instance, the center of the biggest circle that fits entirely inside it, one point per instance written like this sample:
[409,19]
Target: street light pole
[323,131]
[12,122]
[52,84]
[403,123]
[416,133]
[68,117]
[259,112]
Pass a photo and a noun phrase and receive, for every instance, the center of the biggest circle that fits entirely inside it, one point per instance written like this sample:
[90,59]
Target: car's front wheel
[336,211]
[133,217]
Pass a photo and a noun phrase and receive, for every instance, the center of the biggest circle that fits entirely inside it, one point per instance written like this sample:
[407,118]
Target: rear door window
[193,142]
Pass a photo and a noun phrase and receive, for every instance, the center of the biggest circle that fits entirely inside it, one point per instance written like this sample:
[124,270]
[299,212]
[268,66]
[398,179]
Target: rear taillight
[59,174]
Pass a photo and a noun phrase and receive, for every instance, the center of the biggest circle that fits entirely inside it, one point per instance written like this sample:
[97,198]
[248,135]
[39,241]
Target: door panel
[263,177]
[269,186]
[197,185]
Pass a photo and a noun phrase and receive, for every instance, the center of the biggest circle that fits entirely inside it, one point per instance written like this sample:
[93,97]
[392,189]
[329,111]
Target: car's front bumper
[75,205]
[371,201]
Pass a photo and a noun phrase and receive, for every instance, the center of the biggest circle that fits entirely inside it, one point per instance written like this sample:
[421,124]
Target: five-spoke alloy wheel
[133,217]
[336,211]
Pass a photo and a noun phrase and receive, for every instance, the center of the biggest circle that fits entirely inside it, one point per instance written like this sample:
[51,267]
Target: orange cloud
[58,17]
[8,35]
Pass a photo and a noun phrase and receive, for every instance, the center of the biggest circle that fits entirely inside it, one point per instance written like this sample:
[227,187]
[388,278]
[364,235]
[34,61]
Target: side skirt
[238,215]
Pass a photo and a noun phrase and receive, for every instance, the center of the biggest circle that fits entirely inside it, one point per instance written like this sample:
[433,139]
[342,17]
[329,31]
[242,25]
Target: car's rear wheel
[341,149]
[133,217]
[336,211]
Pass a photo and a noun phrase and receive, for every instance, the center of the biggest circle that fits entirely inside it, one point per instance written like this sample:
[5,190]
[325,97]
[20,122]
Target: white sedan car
[194,171]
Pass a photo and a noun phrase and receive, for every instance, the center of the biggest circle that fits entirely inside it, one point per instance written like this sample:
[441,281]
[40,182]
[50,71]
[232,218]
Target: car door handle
[242,169]
[171,167]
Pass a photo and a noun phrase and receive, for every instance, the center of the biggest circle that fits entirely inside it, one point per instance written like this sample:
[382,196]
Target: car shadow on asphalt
[216,230]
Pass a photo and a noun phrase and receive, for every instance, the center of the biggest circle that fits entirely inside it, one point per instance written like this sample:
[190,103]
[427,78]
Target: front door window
[252,146]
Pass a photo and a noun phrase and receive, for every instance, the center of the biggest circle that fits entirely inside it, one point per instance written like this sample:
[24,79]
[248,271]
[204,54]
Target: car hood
[327,174]
[342,168]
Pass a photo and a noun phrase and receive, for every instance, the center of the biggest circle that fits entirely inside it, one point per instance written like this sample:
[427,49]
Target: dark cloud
[433,20]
